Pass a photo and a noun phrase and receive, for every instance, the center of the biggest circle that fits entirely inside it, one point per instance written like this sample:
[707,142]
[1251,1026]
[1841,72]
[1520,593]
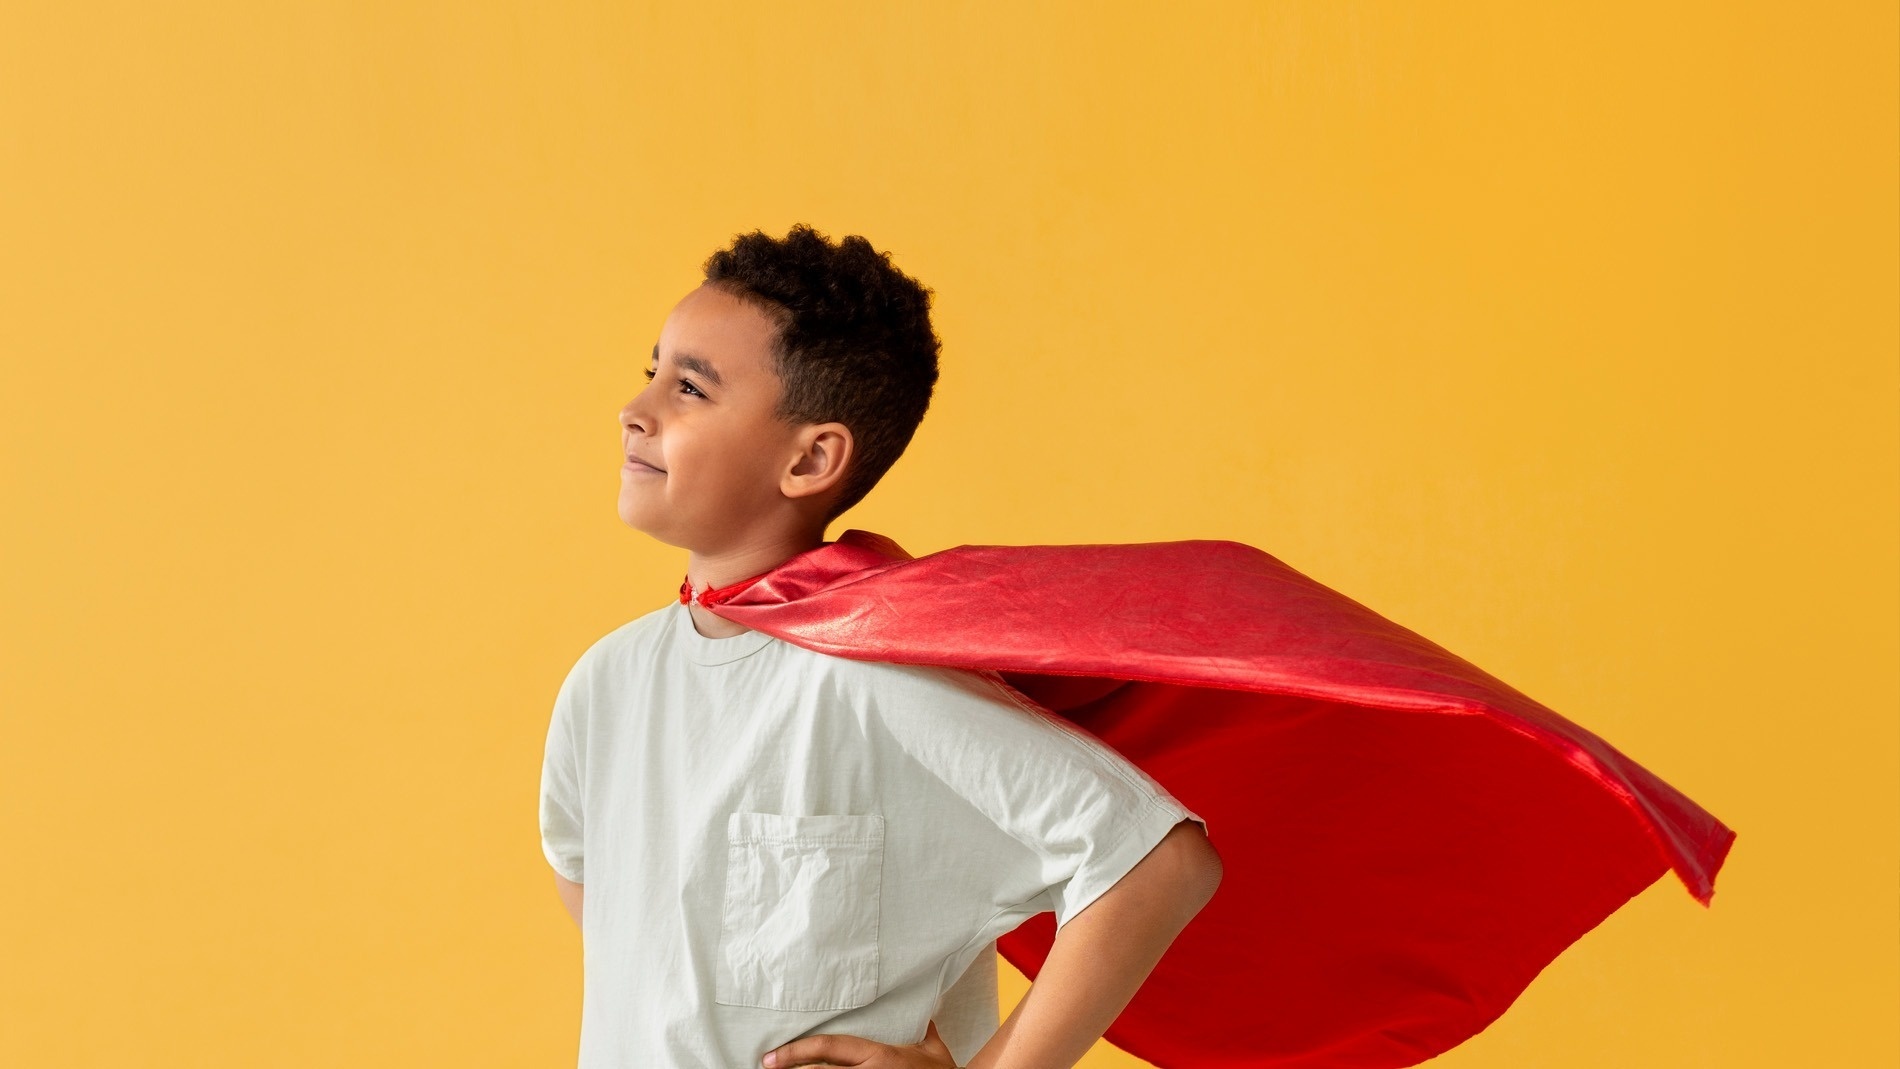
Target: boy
[773,843]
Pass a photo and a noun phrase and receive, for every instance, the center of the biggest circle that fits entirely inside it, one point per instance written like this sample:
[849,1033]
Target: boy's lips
[636,464]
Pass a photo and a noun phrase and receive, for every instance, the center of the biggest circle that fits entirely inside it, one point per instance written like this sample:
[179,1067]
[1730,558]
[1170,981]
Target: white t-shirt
[779,843]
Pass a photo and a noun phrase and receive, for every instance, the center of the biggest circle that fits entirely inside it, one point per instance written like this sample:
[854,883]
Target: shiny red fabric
[1406,840]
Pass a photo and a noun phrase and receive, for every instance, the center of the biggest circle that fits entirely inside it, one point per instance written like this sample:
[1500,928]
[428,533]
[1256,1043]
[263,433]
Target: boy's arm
[1096,964]
[571,894]
[1100,958]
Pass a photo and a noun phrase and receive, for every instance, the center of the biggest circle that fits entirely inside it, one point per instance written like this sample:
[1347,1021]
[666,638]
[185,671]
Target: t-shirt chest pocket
[800,922]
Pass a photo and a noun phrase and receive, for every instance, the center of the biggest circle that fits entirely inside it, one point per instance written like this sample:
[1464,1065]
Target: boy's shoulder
[637,640]
[637,633]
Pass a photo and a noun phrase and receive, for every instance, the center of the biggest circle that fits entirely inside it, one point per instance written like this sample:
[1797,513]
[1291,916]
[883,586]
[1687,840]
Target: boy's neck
[711,570]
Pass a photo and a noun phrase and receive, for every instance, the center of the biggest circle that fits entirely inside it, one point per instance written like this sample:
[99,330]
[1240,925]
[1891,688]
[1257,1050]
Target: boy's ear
[820,464]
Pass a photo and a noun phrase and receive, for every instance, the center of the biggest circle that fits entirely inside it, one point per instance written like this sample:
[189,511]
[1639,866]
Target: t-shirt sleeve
[561,784]
[1084,813]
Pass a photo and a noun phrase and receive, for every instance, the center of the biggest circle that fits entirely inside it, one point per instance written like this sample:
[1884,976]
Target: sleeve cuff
[569,867]
[1104,870]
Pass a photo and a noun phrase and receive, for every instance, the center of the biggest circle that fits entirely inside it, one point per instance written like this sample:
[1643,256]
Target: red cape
[1406,841]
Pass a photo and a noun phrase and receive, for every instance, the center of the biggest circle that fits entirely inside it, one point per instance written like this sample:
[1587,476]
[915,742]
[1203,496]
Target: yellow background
[1564,334]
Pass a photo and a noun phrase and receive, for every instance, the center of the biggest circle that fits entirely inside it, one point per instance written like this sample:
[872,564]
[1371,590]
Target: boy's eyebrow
[691,363]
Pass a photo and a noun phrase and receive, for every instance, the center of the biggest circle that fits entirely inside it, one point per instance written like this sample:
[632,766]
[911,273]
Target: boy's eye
[685,384]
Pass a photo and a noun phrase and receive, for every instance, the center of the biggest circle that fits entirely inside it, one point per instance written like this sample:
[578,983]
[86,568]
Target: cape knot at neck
[712,595]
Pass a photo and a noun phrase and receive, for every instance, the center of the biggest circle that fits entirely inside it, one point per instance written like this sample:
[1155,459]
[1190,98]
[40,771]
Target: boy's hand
[866,1053]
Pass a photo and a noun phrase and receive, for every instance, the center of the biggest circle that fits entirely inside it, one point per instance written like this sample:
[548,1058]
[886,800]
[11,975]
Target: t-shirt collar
[702,650]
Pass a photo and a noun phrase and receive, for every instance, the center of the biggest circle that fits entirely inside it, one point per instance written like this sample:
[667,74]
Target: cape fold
[1406,841]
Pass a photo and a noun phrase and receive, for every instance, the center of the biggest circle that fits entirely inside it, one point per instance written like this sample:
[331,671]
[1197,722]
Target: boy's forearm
[1100,958]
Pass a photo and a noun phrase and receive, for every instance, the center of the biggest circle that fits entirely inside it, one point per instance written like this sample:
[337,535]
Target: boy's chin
[633,518]
[644,524]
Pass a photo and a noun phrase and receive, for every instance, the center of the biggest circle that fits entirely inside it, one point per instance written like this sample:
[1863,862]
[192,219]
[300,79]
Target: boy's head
[780,391]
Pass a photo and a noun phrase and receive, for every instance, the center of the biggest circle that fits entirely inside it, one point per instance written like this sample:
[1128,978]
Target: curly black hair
[855,344]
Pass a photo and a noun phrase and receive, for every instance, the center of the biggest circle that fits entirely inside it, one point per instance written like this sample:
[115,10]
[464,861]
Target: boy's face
[723,470]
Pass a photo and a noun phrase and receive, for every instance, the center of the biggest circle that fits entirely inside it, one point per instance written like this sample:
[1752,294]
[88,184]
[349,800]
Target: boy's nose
[632,419]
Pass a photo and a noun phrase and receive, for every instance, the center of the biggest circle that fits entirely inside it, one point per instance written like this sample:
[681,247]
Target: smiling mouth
[635,464]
